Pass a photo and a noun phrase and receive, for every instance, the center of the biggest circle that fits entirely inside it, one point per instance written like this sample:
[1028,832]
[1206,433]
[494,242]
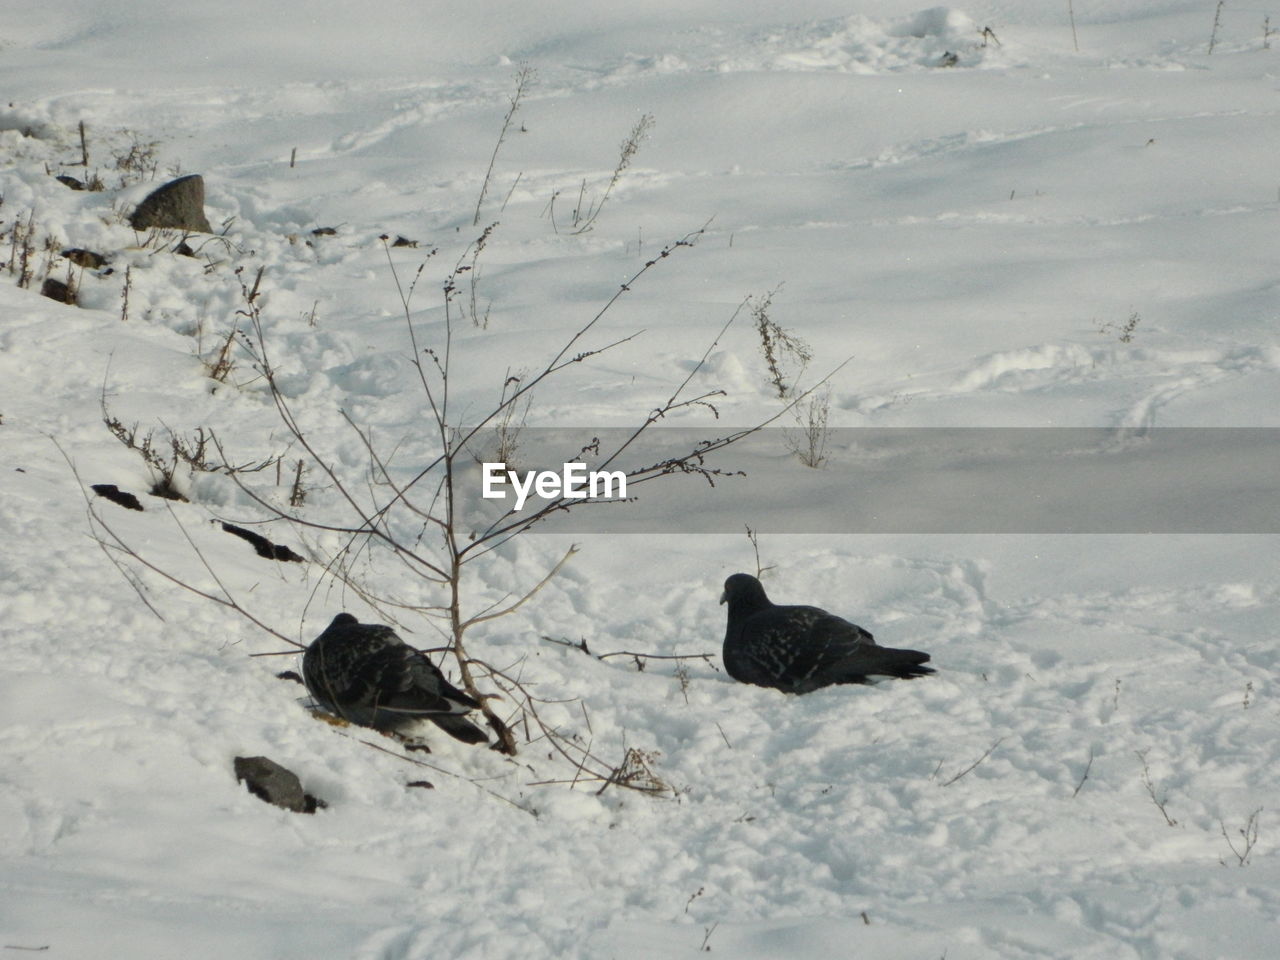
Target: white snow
[974,237]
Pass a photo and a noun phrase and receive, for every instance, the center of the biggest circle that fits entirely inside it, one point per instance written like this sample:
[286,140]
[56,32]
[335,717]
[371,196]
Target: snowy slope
[977,239]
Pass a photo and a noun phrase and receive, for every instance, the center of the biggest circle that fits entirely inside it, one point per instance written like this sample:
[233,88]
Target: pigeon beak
[724,598]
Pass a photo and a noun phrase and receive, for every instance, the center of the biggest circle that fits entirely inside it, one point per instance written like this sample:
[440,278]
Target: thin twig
[975,763]
[573,548]
[1084,776]
[1151,789]
[582,645]
[656,656]
[524,77]
[706,940]
[755,546]
[723,736]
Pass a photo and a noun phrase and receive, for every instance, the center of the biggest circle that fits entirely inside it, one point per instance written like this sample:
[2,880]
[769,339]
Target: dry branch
[975,763]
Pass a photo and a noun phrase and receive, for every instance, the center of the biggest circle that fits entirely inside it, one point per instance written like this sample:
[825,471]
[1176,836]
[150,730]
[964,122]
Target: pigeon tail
[877,661]
[458,728]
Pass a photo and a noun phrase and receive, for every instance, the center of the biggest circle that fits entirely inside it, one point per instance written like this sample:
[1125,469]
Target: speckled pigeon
[800,649]
[365,674]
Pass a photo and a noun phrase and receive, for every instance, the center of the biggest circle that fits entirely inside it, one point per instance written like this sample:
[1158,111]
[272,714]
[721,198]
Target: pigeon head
[743,591]
[343,619]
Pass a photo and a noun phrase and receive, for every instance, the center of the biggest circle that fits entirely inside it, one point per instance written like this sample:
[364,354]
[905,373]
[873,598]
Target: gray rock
[178,204]
[269,781]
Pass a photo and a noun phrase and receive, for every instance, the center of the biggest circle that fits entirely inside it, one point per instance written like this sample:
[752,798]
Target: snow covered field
[1035,236]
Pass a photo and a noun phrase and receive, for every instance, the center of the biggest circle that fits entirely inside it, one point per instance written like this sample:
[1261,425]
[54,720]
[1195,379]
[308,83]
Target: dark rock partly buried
[57,290]
[262,546]
[179,204]
[269,781]
[116,495]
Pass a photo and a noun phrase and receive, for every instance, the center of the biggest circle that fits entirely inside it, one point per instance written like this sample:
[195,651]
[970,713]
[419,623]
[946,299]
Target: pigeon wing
[814,645]
[846,653]
[774,647]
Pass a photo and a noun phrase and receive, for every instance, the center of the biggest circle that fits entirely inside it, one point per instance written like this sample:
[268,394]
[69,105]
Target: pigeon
[801,649]
[365,674]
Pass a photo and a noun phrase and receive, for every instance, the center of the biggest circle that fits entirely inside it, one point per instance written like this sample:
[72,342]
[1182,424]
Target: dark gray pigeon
[800,649]
[365,674]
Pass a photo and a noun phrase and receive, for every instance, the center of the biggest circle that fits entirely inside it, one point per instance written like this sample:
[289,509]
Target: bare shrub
[413,517]
[808,440]
[432,493]
[511,421]
[124,293]
[525,78]
[221,363]
[1123,331]
[22,246]
[781,348]
[137,160]
[473,276]
[1248,838]
[166,457]
[587,209]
